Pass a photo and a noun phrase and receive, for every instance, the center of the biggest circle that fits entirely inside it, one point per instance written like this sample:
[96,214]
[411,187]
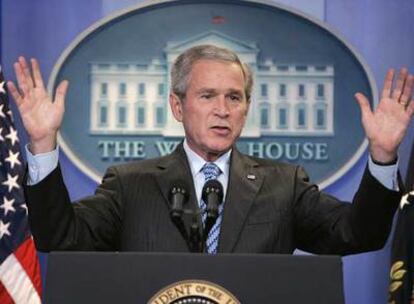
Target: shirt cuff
[386,175]
[41,165]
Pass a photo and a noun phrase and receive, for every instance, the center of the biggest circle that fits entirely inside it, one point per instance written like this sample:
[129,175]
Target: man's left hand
[386,126]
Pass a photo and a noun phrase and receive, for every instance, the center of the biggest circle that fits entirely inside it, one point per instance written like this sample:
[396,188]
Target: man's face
[215,107]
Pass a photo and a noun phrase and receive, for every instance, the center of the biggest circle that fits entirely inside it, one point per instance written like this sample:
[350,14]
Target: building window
[123,66]
[263,90]
[320,118]
[122,115]
[103,114]
[264,115]
[320,91]
[301,91]
[159,116]
[320,115]
[301,68]
[122,89]
[283,68]
[301,117]
[282,118]
[161,89]
[140,115]
[141,89]
[282,90]
[104,66]
[264,118]
[301,121]
[104,89]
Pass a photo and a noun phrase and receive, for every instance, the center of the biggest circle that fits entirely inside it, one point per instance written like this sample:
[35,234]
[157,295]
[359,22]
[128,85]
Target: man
[269,207]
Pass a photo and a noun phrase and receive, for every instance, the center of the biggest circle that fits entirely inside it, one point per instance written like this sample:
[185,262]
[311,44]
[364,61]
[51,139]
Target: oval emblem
[193,291]
[302,111]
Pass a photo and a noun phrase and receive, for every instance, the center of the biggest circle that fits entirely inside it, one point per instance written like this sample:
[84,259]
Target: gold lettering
[187,287]
[171,295]
[215,293]
[200,288]
[163,298]
[179,291]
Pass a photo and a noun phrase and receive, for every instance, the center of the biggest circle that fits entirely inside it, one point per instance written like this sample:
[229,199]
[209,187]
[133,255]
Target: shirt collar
[197,162]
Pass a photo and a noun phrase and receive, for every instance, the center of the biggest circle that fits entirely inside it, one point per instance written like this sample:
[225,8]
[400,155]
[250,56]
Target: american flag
[20,280]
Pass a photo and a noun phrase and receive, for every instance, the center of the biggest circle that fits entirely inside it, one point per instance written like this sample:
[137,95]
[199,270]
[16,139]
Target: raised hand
[386,126]
[41,116]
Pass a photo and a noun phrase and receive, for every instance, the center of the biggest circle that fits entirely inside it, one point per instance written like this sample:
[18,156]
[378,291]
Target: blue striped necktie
[211,171]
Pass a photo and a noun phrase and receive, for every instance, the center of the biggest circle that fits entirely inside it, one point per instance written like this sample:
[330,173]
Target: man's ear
[176,107]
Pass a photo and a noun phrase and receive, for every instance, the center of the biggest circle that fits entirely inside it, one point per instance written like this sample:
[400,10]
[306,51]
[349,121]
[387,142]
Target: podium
[99,277]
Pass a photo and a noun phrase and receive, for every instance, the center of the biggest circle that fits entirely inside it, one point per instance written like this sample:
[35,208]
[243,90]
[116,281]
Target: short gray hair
[184,63]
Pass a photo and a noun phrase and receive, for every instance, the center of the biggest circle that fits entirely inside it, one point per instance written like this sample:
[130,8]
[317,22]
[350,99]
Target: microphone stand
[196,243]
[192,235]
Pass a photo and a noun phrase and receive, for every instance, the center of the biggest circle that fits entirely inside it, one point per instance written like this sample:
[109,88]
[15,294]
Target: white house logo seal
[193,292]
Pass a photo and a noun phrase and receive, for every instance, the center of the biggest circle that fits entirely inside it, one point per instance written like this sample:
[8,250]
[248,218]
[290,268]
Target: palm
[386,126]
[40,115]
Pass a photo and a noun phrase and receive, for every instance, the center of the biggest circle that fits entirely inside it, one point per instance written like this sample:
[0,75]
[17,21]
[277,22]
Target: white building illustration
[288,99]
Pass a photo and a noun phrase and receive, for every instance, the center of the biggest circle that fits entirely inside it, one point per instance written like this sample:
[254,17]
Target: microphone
[212,196]
[178,198]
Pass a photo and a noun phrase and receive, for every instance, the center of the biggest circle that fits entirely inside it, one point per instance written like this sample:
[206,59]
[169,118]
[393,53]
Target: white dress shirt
[196,164]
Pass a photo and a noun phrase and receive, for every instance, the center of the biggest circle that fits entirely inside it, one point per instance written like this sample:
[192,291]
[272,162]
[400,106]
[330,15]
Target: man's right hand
[41,116]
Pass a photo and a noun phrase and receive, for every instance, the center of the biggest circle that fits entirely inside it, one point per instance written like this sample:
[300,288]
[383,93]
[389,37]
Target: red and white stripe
[20,281]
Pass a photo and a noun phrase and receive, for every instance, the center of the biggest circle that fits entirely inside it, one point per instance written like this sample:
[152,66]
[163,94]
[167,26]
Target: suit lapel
[175,168]
[245,181]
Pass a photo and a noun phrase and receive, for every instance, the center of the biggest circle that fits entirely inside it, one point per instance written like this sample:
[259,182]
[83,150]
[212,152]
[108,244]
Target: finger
[14,93]
[407,91]
[410,108]
[26,71]
[386,91]
[19,73]
[21,79]
[60,94]
[363,103]
[37,75]
[402,76]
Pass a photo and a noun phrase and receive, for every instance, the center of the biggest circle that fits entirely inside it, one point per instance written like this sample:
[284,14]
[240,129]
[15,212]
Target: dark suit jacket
[276,212]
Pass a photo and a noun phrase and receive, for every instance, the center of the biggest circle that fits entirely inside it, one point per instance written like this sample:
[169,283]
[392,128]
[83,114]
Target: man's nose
[222,106]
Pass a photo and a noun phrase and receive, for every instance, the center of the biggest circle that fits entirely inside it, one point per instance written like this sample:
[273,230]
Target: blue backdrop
[380,30]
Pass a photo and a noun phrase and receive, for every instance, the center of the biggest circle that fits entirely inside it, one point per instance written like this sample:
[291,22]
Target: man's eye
[206,96]
[234,98]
